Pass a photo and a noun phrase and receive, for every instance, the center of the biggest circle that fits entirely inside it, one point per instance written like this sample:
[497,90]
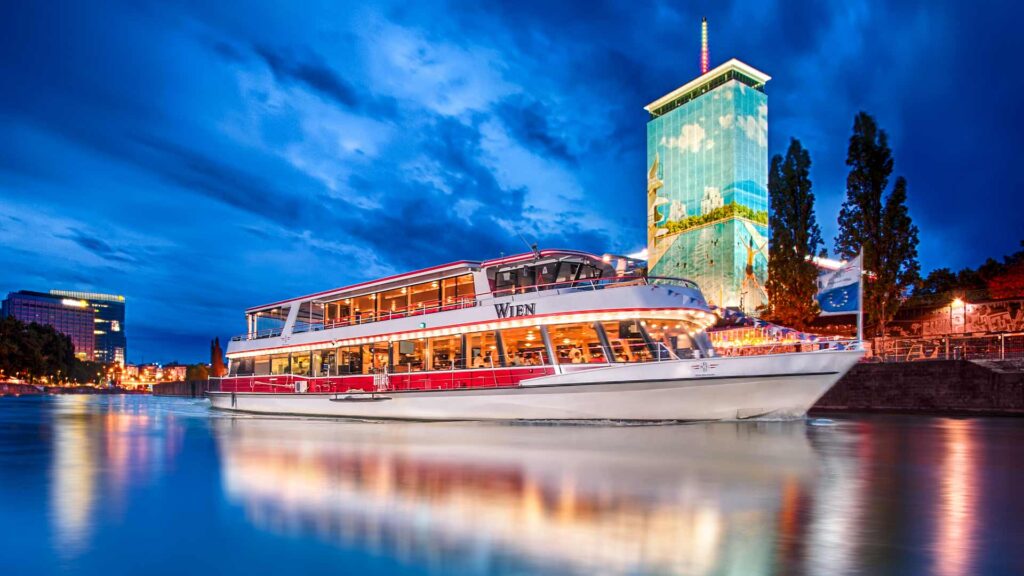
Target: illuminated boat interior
[361,334]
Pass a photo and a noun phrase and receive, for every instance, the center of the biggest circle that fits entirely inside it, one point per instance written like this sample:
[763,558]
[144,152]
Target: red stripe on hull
[450,380]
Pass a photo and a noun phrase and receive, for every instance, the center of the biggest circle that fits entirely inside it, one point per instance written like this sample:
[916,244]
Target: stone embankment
[933,386]
[186,388]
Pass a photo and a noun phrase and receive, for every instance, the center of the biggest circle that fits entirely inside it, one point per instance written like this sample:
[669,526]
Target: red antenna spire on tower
[704,57]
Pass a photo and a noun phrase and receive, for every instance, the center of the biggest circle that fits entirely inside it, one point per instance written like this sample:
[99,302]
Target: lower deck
[436,380]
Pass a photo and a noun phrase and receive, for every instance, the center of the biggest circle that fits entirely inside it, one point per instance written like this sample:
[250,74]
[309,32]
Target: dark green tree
[32,351]
[795,235]
[197,372]
[878,223]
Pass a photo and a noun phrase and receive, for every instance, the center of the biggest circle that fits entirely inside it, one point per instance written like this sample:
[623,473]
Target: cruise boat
[545,335]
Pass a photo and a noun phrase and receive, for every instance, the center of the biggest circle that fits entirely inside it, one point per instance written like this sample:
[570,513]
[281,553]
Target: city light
[827,263]
[74,303]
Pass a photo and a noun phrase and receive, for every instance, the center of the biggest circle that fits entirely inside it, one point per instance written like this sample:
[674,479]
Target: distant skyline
[201,159]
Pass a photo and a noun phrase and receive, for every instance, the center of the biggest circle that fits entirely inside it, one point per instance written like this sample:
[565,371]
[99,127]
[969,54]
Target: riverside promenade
[21,389]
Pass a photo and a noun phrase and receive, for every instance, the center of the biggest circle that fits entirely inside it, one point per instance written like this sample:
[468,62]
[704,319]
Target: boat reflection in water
[486,498]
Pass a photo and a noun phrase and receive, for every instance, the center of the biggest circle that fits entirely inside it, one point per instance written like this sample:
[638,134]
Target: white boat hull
[774,386]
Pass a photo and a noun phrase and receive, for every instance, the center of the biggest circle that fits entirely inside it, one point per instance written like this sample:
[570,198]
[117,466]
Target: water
[137,485]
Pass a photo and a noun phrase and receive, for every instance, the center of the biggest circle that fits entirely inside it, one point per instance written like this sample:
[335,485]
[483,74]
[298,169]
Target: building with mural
[707,184]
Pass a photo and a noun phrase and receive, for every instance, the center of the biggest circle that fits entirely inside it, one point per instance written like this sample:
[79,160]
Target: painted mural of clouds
[755,127]
[690,138]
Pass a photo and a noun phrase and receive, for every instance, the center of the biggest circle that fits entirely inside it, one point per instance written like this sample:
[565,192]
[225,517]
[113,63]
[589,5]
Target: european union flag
[838,289]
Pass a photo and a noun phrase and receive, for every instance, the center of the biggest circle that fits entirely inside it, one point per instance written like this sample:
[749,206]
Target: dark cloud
[99,247]
[310,71]
[527,120]
[204,175]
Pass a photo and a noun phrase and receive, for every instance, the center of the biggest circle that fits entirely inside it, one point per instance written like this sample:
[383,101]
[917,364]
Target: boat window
[424,296]
[588,272]
[270,321]
[482,348]
[448,292]
[628,341]
[364,308]
[323,363]
[444,352]
[524,347]
[279,364]
[262,366]
[505,281]
[567,271]
[338,313]
[526,280]
[546,273]
[464,285]
[300,364]
[393,303]
[410,354]
[349,360]
[679,336]
[576,344]
[242,366]
[375,357]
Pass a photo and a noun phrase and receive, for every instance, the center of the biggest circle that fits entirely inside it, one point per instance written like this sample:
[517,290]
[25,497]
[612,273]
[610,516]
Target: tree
[35,350]
[1007,280]
[878,223]
[197,372]
[795,235]
[217,368]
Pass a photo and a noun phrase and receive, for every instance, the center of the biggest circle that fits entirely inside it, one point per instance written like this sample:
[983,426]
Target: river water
[138,485]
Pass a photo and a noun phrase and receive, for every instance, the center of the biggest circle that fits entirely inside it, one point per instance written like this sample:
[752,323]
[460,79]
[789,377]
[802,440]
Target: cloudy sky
[203,157]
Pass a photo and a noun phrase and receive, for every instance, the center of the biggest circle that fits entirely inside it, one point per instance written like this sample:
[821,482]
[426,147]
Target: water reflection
[490,498]
[866,495]
[100,450]
[956,525]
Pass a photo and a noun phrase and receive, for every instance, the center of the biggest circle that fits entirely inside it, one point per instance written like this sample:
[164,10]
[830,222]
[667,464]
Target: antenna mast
[704,56]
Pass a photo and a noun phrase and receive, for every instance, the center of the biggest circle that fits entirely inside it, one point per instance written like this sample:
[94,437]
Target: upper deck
[406,302]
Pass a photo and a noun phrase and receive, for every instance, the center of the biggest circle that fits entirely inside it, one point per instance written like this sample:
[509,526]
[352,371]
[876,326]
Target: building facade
[69,316]
[707,185]
[111,343]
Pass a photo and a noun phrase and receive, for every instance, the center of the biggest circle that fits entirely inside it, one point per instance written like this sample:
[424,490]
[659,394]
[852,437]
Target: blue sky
[203,157]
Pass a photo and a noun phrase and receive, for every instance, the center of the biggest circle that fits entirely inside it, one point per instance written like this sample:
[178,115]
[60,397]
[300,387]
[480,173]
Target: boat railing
[481,299]
[790,346]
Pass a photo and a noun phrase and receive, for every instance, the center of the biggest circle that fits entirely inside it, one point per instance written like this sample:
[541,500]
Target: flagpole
[860,299]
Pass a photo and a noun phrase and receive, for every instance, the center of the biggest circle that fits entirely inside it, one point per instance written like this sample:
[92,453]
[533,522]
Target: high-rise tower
[707,185]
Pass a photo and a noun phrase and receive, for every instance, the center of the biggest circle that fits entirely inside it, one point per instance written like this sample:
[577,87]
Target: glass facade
[111,343]
[707,192]
[72,317]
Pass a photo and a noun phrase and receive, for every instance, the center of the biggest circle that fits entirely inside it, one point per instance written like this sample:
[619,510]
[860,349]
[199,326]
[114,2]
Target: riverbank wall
[8,389]
[978,387]
[185,388]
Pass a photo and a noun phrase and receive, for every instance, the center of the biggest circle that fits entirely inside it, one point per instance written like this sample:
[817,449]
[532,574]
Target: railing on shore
[951,347]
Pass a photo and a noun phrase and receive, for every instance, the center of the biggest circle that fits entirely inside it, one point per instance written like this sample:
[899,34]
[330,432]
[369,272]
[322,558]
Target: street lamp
[956,303]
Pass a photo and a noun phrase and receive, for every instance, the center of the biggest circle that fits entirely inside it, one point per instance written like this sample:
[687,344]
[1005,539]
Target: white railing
[951,347]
